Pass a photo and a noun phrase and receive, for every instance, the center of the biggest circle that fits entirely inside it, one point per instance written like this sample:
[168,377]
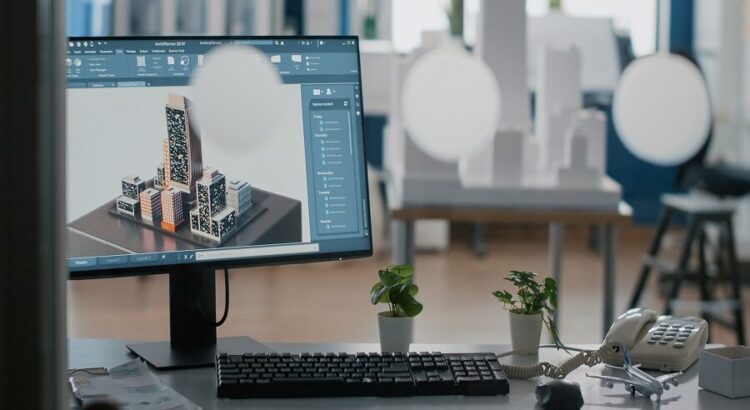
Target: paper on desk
[131,386]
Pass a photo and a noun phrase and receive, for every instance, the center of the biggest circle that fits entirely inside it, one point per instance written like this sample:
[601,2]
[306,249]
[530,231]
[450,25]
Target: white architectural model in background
[558,99]
[566,151]
[501,163]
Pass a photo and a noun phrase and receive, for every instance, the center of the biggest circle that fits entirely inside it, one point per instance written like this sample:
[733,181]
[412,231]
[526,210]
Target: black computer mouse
[559,395]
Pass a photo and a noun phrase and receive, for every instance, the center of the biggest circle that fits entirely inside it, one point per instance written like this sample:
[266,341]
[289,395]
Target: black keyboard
[255,375]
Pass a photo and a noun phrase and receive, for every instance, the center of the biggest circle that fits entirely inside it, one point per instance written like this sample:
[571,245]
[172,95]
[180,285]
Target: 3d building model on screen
[186,205]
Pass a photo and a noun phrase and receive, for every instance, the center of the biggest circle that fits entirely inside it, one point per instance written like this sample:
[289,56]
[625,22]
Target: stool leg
[653,251]
[739,322]
[703,270]
[687,247]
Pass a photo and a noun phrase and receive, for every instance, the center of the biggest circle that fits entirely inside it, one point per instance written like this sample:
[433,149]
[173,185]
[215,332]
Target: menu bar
[145,63]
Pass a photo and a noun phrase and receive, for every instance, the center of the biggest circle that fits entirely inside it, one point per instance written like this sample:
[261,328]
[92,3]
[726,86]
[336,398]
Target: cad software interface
[147,185]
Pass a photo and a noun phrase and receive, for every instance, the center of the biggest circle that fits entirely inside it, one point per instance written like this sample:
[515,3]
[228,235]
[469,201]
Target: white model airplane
[640,381]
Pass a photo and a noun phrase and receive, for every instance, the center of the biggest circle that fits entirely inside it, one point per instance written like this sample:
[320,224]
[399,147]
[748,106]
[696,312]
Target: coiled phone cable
[588,357]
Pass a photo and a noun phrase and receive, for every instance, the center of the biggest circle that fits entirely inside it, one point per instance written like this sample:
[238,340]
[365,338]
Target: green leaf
[388,278]
[503,296]
[404,271]
[412,307]
[395,294]
[413,289]
[374,292]
[377,296]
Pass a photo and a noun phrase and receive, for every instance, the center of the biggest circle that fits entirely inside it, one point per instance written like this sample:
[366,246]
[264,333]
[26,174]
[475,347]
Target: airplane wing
[637,366]
[668,377]
[611,379]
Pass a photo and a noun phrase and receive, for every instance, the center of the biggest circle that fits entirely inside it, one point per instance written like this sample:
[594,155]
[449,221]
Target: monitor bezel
[126,271]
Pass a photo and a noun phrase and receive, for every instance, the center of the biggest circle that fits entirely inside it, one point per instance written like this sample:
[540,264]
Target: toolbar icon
[170,60]
[140,61]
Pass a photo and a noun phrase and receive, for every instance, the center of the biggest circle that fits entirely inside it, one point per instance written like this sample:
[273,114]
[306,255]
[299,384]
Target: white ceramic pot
[395,332]
[525,332]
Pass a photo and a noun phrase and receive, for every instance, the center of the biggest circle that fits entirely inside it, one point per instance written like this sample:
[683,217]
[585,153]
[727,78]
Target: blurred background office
[458,263]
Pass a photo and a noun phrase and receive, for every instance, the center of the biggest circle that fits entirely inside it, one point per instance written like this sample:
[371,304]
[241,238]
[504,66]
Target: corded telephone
[665,343]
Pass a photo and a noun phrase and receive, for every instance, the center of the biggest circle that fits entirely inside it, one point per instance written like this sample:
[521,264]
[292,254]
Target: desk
[403,219]
[199,385]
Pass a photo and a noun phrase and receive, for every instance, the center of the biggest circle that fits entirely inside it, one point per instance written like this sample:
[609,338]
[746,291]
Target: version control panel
[332,116]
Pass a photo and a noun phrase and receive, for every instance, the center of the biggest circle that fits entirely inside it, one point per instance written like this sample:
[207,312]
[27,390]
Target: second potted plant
[535,304]
[396,288]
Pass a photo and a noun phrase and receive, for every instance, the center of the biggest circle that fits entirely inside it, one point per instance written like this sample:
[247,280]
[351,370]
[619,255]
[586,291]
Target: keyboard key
[397,368]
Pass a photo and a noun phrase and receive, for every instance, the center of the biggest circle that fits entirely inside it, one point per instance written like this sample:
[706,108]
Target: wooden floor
[329,301]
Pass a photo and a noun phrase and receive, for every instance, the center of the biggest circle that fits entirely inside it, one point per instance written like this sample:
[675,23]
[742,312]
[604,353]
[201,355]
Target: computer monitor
[150,191]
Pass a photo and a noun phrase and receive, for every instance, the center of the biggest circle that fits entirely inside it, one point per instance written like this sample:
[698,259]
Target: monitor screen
[148,188]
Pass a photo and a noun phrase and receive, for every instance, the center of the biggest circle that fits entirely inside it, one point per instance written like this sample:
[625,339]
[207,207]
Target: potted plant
[535,304]
[396,288]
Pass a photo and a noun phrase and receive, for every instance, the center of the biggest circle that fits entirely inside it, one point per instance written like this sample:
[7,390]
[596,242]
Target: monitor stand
[193,341]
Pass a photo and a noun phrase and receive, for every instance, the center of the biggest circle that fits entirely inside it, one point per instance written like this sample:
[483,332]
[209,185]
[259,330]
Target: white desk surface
[199,385]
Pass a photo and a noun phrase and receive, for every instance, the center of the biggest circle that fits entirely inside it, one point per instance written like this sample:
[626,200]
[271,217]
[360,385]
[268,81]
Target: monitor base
[192,327]
[163,356]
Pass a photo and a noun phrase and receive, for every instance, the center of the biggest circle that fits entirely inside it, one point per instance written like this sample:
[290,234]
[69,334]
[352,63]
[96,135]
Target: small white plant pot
[525,332]
[395,332]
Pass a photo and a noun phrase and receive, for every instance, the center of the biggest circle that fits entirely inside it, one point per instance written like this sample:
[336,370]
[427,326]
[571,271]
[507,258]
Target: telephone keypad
[670,333]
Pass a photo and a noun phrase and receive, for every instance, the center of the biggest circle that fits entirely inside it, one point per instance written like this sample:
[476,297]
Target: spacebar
[307,380]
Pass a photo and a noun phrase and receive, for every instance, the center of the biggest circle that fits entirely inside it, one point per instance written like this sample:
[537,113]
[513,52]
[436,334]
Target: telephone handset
[665,343]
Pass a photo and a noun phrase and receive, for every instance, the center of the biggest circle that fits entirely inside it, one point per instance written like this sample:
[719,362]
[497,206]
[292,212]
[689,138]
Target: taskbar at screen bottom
[181,257]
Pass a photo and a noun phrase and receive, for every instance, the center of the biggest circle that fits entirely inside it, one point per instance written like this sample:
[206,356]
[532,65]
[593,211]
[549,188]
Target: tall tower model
[182,148]
[212,217]
[171,205]
[151,204]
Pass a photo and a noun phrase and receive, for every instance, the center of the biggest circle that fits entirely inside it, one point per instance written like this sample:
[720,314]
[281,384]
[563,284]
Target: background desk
[199,385]
[403,219]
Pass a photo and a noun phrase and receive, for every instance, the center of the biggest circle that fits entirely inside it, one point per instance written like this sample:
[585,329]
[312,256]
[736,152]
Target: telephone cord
[588,357]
